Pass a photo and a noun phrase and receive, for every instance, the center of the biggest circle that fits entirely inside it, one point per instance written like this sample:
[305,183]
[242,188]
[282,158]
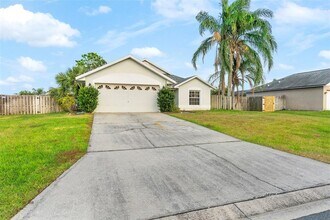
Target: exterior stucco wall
[326,97]
[126,72]
[299,99]
[176,99]
[183,96]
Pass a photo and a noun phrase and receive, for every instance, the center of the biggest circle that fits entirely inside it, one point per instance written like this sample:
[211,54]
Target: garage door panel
[127,98]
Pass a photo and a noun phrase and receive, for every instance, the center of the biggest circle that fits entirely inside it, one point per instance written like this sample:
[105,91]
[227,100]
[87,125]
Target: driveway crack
[237,167]
[147,138]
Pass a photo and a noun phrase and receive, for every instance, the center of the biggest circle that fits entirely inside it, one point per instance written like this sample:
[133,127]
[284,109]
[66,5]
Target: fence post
[37,104]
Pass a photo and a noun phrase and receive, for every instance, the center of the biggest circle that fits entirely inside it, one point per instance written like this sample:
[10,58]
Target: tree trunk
[216,69]
[219,91]
[232,96]
[242,95]
[223,87]
[230,72]
[237,96]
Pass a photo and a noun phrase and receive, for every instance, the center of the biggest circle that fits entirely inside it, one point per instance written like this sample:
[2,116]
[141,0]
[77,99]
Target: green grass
[305,133]
[34,150]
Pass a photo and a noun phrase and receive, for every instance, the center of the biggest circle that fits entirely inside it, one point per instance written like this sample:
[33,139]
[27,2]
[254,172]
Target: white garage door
[127,98]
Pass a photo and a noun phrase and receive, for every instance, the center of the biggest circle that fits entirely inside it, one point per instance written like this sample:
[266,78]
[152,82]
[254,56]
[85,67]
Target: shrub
[176,109]
[67,103]
[87,99]
[165,100]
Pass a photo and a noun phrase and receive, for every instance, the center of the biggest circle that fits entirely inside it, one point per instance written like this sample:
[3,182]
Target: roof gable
[82,77]
[177,79]
[186,80]
[154,66]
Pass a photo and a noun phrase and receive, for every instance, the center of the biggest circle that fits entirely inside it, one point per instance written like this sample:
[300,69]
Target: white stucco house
[302,91]
[131,85]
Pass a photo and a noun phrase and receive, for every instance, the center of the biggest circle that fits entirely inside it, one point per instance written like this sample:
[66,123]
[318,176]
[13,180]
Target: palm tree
[250,71]
[241,35]
[212,25]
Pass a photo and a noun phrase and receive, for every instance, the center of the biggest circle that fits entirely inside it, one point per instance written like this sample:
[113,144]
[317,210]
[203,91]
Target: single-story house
[131,85]
[302,91]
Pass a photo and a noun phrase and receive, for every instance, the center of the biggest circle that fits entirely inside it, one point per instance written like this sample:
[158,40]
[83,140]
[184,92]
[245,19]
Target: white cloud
[147,52]
[114,39]
[102,9]
[36,29]
[283,66]
[27,86]
[31,64]
[11,80]
[325,54]
[180,9]
[291,13]
[301,41]
[189,65]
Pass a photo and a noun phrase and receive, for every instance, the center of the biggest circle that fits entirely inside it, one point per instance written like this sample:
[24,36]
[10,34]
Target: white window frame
[195,99]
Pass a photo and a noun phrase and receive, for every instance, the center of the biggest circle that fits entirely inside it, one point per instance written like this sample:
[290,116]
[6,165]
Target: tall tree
[66,81]
[208,23]
[244,36]
[90,61]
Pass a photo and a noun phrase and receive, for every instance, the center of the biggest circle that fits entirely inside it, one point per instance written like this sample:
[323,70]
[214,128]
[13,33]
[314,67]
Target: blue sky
[41,38]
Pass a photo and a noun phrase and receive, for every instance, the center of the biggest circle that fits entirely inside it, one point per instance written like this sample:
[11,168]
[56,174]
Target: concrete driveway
[150,165]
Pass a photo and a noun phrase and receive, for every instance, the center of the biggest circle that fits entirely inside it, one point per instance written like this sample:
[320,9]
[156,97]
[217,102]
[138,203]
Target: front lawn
[34,150]
[305,133]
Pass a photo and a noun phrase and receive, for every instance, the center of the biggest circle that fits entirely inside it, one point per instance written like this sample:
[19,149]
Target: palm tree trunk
[223,87]
[232,96]
[237,95]
[242,95]
[219,92]
[216,69]
[230,73]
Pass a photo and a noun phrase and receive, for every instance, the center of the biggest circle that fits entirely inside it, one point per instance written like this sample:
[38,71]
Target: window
[194,97]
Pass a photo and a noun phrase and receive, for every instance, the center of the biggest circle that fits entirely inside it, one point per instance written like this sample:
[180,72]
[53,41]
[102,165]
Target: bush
[165,100]
[176,109]
[67,103]
[87,99]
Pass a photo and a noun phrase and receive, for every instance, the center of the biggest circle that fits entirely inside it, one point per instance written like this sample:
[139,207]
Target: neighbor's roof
[311,79]
[82,76]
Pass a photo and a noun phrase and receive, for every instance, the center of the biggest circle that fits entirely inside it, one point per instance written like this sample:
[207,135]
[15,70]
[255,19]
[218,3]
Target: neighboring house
[302,91]
[131,85]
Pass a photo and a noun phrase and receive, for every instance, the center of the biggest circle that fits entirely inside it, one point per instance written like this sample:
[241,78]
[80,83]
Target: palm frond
[207,23]
[202,50]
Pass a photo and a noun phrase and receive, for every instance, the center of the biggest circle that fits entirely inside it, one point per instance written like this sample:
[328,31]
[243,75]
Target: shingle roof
[309,79]
[178,79]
